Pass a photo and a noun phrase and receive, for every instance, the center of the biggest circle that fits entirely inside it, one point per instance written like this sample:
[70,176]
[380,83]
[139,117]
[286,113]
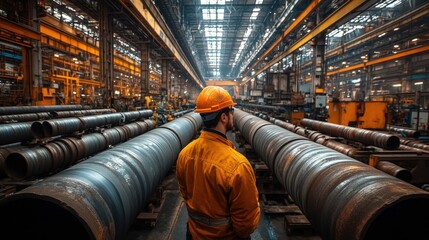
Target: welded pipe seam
[101,196]
[342,197]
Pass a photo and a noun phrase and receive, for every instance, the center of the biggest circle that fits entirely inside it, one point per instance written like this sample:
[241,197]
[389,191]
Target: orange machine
[368,115]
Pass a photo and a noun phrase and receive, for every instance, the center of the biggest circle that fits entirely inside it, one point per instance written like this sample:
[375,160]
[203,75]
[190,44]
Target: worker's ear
[224,117]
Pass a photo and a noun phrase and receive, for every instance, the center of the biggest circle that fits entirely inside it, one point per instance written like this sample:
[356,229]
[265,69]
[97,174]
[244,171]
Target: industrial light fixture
[418,83]
[397,85]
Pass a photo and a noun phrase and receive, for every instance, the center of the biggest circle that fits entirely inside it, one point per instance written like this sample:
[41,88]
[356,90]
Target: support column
[319,62]
[318,44]
[36,59]
[144,78]
[295,73]
[106,54]
[165,85]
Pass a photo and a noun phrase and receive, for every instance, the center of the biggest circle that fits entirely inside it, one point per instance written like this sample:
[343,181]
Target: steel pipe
[98,198]
[63,126]
[65,114]
[4,152]
[317,137]
[412,149]
[387,167]
[64,152]
[25,117]
[415,144]
[342,197]
[395,170]
[368,137]
[15,132]
[36,109]
[407,131]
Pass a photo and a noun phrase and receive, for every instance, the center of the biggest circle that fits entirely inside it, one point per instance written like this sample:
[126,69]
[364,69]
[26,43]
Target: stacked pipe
[408,132]
[15,132]
[65,114]
[63,126]
[25,117]
[98,198]
[415,144]
[4,152]
[64,152]
[368,137]
[37,109]
[317,137]
[387,167]
[342,197]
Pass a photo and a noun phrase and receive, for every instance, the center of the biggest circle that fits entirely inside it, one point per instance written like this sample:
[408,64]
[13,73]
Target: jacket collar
[214,131]
[215,136]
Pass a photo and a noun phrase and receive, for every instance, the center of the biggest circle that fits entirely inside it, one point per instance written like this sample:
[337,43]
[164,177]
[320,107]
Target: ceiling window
[213,14]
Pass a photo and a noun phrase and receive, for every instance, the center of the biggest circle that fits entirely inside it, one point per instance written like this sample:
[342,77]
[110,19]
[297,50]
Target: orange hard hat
[213,99]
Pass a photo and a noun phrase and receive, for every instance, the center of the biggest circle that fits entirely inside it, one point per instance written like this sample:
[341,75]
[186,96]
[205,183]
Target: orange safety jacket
[217,184]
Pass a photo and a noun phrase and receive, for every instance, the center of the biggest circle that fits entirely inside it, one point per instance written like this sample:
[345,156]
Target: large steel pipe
[15,132]
[415,144]
[368,137]
[25,117]
[4,152]
[325,140]
[317,137]
[98,198]
[342,197]
[62,126]
[65,114]
[64,152]
[36,109]
[408,132]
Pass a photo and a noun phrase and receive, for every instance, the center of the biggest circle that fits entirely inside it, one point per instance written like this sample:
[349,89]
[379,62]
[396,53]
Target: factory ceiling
[224,38]
[218,33]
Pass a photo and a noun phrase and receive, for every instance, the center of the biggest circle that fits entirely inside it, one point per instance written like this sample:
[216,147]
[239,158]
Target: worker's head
[213,104]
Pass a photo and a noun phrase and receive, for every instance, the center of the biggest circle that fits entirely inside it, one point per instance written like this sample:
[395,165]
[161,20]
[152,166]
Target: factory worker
[217,183]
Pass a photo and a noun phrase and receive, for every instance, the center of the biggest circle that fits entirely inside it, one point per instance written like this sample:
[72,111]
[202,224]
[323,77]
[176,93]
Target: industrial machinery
[368,115]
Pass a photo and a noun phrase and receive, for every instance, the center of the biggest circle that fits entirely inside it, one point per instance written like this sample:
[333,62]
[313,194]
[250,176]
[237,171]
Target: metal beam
[348,8]
[151,24]
[402,54]
[299,20]
[19,29]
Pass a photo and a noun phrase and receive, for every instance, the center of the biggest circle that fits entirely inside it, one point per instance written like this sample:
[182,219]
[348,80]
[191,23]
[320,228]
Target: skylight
[213,14]
[218,2]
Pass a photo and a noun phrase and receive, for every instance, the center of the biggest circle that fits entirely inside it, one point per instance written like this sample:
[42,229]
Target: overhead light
[396,29]
[415,39]
[381,35]
[397,85]
[418,83]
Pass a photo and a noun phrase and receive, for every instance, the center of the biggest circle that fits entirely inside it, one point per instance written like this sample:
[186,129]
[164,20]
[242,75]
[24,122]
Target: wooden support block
[293,222]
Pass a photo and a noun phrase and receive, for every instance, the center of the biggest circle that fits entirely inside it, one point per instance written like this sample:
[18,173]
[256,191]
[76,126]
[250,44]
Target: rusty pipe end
[393,143]
[37,130]
[41,218]
[48,129]
[406,219]
[16,166]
